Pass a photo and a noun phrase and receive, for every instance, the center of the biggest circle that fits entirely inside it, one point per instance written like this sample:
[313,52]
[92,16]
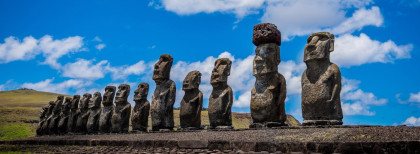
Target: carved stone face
[84,102]
[123,92]
[58,104]
[75,102]
[221,70]
[66,104]
[192,81]
[267,59]
[319,46]
[51,107]
[141,92]
[95,101]
[162,68]
[109,94]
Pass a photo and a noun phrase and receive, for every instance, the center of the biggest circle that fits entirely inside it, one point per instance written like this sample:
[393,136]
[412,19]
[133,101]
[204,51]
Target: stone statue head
[319,46]
[221,71]
[66,104]
[141,92]
[267,59]
[51,106]
[192,81]
[58,104]
[123,92]
[75,102]
[95,101]
[162,68]
[84,102]
[266,33]
[109,94]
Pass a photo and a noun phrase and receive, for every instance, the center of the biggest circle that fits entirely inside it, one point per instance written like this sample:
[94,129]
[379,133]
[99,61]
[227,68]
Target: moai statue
[140,116]
[269,92]
[192,102]
[107,110]
[55,117]
[163,98]
[71,123]
[121,116]
[321,83]
[45,124]
[221,98]
[94,113]
[64,116]
[42,118]
[83,112]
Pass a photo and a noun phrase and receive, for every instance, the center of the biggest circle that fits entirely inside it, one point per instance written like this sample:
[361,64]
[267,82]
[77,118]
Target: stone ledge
[354,139]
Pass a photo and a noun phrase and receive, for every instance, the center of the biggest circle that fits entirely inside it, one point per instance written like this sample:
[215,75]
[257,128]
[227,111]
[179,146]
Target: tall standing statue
[55,117]
[221,98]
[42,116]
[83,113]
[192,102]
[94,113]
[121,115]
[321,83]
[45,124]
[71,124]
[163,98]
[64,116]
[269,92]
[140,116]
[107,110]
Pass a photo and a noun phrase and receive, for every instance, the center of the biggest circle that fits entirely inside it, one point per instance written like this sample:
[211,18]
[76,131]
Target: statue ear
[332,40]
[229,65]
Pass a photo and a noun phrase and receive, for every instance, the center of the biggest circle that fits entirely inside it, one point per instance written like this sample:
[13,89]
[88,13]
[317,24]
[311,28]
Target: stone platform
[329,139]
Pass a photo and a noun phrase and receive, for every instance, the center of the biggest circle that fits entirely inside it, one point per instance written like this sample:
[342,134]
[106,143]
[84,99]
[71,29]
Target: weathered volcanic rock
[192,102]
[71,124]
[321,83]
[266,33]
[121,116]
[140,116]
[163,98]
[83,112]
[221,98]
[64,116]
[94,113]
[107,110]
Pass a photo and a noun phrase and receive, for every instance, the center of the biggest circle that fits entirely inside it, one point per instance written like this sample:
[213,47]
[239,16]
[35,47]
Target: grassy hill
[19,109]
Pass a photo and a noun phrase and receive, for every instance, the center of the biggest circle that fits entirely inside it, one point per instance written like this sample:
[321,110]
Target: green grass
[15,131]
[17,106]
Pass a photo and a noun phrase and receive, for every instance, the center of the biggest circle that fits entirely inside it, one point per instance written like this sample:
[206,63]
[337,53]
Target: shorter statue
[42,117]
[55,117]
[64,116]
[163,98]
[269,92]
[192,102]
[94,113]
[45,124]
[321,83]
[140,116]
[83,113]
[71,123]
[121,116]
[107,110]
[221,98]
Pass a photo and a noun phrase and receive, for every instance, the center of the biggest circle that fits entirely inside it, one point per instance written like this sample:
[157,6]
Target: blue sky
[76,46]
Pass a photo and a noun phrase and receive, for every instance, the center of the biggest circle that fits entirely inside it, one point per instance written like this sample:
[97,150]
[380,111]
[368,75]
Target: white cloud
[62,88]
[361,18]
[412,121]
[100,46]
[13,49]
[240,8]
[414,98]
[357,50]
[97,39]
[357,102]
[303,17]
[121,72]
[1,87]
[85,69]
